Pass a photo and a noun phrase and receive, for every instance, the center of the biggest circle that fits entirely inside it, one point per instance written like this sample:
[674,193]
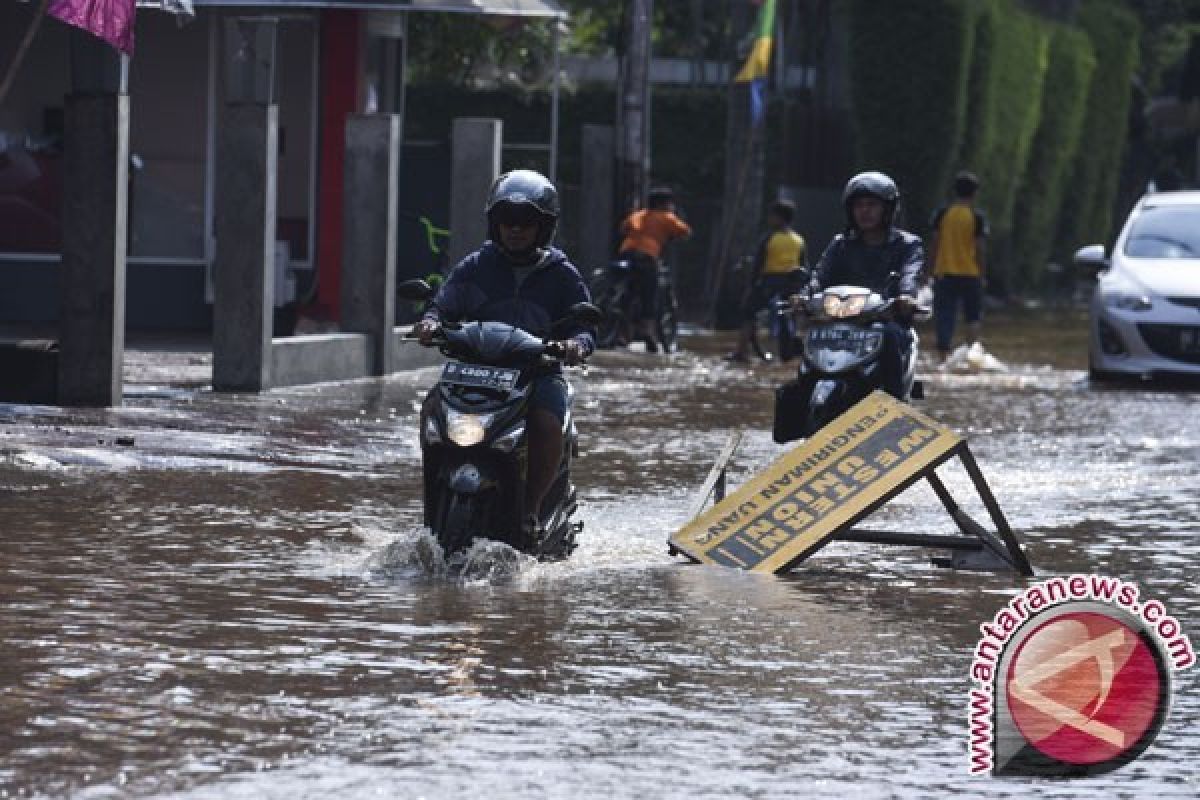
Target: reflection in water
[241,602]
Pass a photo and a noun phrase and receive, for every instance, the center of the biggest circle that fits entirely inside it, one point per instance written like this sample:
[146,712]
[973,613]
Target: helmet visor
[516,215]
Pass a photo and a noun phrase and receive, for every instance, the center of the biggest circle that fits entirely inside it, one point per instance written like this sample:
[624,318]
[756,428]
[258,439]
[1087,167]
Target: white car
[1145,311]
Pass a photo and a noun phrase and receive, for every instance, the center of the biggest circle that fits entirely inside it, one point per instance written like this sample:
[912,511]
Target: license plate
[481,376]
[838,338]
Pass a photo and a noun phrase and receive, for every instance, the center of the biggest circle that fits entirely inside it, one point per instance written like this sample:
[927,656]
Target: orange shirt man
[645,233]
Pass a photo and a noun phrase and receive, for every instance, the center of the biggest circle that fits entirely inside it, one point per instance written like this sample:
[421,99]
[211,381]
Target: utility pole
[741,207]
[632,106]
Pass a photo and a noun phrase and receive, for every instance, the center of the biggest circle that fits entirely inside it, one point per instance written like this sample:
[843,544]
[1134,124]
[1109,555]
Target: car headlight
[466,430]
[840,307]
[1128,301]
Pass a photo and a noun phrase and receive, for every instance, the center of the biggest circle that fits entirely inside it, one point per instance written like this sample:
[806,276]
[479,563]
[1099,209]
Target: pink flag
[111,20]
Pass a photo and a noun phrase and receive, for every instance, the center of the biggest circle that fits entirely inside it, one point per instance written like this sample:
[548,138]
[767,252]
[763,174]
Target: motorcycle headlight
[1126,301]
[840,307]
[466,430]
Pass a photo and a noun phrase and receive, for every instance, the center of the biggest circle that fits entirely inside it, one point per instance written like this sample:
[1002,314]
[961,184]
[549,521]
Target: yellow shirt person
[958,244]
[781,255]
[959,229]
[784,252]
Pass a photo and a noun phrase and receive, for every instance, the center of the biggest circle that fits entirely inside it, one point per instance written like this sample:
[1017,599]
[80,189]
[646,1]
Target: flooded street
[230,596]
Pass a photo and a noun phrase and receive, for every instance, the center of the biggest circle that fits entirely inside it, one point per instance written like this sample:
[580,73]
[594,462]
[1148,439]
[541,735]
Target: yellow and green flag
[759,59]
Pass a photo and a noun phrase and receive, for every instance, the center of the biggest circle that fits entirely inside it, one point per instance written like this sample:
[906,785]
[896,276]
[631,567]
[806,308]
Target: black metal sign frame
[976,548]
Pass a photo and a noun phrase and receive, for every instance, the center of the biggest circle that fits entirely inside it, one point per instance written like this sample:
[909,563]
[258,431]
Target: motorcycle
[842,342]
[612,286]
[473,440]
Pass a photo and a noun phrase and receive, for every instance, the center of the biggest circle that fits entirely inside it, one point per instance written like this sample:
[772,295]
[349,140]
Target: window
[1165,232]
[31,136]
[168,137]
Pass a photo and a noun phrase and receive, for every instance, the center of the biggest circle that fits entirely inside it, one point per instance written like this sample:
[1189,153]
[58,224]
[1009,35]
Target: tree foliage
[908,76]
[1018,59]
[1087,207]
[1071,64]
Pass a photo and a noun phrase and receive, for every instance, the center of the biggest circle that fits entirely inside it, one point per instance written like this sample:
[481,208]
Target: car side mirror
[414,289]
[1092,258]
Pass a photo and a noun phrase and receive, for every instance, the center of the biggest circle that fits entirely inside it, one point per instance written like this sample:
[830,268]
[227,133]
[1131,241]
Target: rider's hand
[425,329]
[573,353]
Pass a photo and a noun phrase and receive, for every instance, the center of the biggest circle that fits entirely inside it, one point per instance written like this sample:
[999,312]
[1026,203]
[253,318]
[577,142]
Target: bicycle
[612,291]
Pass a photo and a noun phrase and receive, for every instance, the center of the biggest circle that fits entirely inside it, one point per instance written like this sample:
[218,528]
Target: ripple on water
[182,630]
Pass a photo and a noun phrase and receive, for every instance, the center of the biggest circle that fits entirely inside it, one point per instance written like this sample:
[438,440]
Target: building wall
[175,90]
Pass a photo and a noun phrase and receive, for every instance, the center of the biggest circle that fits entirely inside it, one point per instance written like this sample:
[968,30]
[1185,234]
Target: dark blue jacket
[483,287]
[850,261]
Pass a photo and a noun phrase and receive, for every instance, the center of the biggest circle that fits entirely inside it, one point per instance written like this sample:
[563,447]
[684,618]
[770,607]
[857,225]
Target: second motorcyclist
[517,277]
[871,253]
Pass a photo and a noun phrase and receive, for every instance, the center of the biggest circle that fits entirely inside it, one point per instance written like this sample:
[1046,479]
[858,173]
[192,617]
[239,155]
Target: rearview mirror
[414,289]
[1091,258]
[586,314]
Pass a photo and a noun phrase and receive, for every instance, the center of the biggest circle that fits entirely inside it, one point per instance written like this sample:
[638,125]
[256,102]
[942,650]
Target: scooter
[473,440]
[842,343]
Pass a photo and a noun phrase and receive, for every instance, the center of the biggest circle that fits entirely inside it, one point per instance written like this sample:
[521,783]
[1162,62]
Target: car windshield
[1165,232]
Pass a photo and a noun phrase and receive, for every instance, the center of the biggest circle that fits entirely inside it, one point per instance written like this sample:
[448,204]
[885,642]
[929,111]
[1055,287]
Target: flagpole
[731,222]
[15,67]
[754,74]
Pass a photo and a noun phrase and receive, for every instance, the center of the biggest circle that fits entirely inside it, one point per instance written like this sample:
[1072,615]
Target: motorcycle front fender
[470,478]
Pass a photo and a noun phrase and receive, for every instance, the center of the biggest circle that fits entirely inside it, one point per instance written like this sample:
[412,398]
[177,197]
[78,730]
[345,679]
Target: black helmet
[659,197]
[873,184]
[524,187]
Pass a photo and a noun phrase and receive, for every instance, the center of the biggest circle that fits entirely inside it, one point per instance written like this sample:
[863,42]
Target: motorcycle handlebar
[800,304]
[553,354]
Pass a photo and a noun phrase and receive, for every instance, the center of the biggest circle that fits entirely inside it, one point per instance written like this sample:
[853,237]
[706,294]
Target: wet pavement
[224,596]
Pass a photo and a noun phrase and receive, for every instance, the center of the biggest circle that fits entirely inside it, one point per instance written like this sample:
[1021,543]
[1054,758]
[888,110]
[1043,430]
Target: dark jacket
[483,287]
[850,261]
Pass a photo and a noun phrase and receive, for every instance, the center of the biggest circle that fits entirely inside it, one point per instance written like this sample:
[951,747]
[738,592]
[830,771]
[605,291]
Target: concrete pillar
[475,164]
[94,225]
[369,247]
[596,223]
[247,165]
[244,266]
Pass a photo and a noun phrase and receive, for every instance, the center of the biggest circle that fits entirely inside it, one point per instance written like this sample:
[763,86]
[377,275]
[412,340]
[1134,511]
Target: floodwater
[215,596]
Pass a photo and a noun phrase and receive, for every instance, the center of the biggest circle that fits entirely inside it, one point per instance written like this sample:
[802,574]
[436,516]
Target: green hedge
[1087,207]
[1068,76]
[908,79]
[979,125]
[1018,58]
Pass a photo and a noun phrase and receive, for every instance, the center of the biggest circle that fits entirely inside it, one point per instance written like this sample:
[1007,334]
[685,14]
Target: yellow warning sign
[844,472]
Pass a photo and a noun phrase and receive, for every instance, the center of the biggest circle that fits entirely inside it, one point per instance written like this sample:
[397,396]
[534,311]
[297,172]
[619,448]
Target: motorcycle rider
[868,253]
[517,277]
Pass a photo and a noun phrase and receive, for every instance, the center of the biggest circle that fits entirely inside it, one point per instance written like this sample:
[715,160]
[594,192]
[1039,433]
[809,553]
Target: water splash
[489,561]
[411,555]
[418,554]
